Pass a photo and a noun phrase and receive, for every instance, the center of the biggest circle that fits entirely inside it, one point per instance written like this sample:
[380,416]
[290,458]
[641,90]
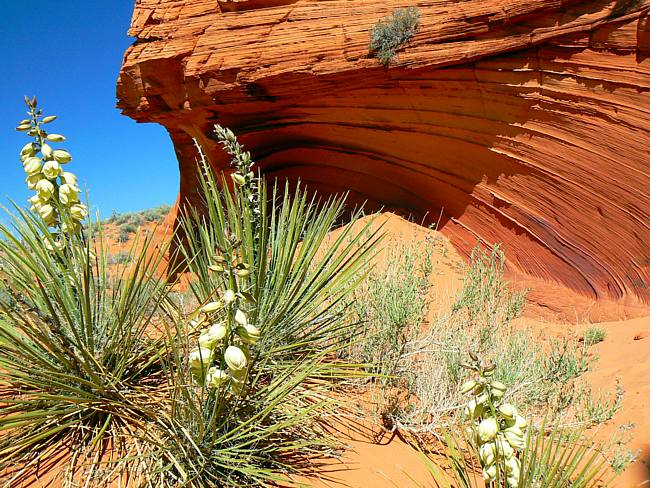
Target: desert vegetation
[391,33]
[110,373]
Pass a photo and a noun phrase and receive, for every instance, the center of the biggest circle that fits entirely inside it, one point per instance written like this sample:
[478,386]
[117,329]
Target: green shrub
[123,236]
[122,257]
[419,371]
[487,301]
[621,456]
[156,214]
[594,335]
[599,409]
[387,36]
[391,304]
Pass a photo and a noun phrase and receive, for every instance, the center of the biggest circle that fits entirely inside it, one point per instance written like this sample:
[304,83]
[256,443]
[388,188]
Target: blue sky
[68,53]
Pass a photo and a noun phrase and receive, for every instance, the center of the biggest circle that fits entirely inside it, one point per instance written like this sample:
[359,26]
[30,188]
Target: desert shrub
[156,214]
[123,236]
[487,301]
[419,367]
[130,228]
[391,304]
[620,456]
[122,257]
[597,409]
[594,335]
[79,370]
[388,35]
[250,392]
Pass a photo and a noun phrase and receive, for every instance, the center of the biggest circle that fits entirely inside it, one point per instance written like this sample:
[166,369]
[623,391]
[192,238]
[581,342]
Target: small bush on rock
[387,36]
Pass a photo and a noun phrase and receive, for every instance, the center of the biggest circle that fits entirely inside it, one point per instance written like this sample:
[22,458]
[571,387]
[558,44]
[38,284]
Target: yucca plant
[499,449]
[80,356]
[255,375]
[553,457]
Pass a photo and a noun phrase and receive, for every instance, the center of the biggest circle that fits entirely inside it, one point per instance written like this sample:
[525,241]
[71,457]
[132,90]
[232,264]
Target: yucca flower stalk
[496,427]
[57,194]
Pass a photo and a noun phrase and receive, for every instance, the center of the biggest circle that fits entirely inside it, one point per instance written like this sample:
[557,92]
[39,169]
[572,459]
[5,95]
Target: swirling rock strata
[522,122]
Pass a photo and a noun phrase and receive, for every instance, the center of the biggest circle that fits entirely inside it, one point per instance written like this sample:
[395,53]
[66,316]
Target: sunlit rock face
[515,121]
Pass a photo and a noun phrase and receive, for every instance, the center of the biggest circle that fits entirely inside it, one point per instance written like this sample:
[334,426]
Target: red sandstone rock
[522,122]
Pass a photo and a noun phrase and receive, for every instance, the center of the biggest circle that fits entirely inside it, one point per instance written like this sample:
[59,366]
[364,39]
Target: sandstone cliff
[515,121]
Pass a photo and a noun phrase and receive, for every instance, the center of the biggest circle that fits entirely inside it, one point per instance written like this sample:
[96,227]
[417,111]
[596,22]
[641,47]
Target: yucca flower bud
[55,138]
[210,337]
[497,394]
[521,422]
[242,272]
[29,148]
[473,410]
[229,297]
[48,119]
[32,181]
[488,429]
[32,166]
[514,430]
[504,449]
[67,193]
[45,189]
[248,333]
[215,377]
[35,200]
[78,211]
[52,243]
[507,410]
[497,385]
[46,212]
[490,474]
[61,156]
[515,438]
[69,178]
[513,466]
[235,358]
[51,169]
[487,453]
[482,399]
[70,227]
[200,359]
[238,178]
[240,318]
[23,127]
[47,151]
[211,307]
[489,369]
[467,386]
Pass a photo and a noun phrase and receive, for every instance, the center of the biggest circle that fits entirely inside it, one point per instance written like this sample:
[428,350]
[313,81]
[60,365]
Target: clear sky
[68,53]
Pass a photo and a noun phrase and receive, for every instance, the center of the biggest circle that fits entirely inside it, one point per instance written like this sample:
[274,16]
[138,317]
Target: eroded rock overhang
[515,121]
